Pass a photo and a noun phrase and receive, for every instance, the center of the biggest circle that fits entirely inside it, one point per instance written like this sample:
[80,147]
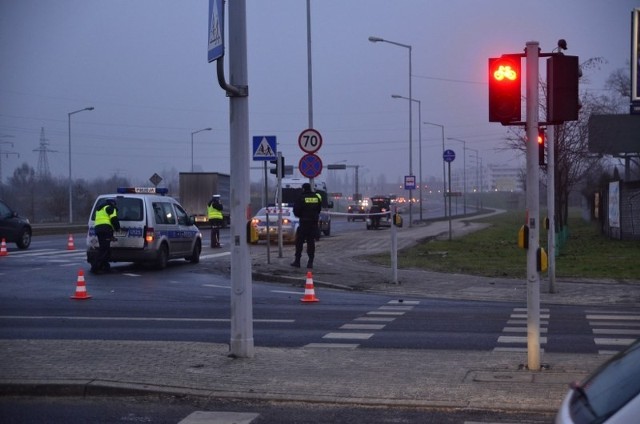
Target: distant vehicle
[292,188]
[154,228]
[14,228]
[610,395]
[358,212]
[379,214]
[290,224]
[196,189]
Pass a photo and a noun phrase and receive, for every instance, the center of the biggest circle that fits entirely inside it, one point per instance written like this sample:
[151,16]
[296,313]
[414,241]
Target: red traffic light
[505,89]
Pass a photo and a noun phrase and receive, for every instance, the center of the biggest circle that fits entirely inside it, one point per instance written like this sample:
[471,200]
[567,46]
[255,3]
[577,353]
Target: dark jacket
[308,206]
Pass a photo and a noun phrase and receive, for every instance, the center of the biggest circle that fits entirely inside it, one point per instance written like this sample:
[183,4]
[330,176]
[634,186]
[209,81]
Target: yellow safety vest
[103,218]
[213,213]
[312,199]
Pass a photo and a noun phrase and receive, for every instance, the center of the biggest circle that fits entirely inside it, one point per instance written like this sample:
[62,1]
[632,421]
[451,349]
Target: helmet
[306,187]
[111,202]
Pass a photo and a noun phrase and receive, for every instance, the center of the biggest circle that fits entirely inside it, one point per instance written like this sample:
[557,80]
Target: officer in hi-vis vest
[307,207]
[214,212]
[106,222]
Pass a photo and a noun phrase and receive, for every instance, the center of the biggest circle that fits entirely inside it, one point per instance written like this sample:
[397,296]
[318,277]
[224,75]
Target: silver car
[610,395]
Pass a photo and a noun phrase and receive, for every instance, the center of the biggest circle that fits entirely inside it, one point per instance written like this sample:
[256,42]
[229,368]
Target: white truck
[292,188]
[196,189]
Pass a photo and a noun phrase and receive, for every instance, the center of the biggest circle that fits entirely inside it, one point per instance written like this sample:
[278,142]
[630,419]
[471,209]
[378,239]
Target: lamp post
[464,172]
[406,46]
[70,182]
[477,156]
[396,96]
[192,133]
[444,177]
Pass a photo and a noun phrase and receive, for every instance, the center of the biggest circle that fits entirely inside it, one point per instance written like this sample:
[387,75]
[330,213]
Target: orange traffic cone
[3,249]
[81,288]
[309,292]
[70,245]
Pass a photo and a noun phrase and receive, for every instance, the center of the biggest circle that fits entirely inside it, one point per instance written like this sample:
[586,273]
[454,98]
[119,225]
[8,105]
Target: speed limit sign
[310,140]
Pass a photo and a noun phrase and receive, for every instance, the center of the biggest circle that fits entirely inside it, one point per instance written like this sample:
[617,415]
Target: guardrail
[49,229]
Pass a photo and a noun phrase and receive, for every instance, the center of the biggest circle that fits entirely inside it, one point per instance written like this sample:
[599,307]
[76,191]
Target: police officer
[307,207]
[105,224]
[214,212]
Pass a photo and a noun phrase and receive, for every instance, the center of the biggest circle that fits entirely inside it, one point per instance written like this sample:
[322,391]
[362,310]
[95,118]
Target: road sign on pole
[310,140]
[264,147]
[409,182]
[449,155]
[216,30]
[310,165]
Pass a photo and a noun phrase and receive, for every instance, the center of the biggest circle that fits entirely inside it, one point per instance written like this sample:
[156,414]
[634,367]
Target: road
[187,302]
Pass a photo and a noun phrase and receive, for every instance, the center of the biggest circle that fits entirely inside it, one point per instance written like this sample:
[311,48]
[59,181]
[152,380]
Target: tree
[573,161]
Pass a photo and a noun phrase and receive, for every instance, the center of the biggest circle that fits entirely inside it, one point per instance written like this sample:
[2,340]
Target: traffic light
[504,89]
[563,98]
[278,171]
[541,141]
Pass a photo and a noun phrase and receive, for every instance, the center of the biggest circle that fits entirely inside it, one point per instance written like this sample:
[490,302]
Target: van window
[129,209]
[164,213]
[183,217]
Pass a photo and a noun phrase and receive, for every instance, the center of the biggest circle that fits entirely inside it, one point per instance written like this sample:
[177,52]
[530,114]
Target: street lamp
[464,171]
[444,177]
[478,185]
[70,182]
[195,132]
[397,96]
[406,46]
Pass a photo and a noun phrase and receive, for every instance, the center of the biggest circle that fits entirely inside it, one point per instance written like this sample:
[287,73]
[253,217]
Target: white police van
[154,228]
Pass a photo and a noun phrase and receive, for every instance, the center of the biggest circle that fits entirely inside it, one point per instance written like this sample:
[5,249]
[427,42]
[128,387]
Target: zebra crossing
[49,255]
[610,331]
[350,335]
[514,335]
[613,331]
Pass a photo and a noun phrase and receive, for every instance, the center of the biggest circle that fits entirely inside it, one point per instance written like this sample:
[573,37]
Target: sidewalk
[426,378]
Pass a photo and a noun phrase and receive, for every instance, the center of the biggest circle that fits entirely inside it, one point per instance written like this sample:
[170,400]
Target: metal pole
[449,196]
[533,207]
[70,180]
[551,206]
[192,152]
[394,246]
[410,143]
[241,344]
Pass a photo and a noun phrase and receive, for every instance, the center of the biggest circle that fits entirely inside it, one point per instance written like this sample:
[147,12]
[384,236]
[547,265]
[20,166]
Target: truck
[196,189]
[292,188]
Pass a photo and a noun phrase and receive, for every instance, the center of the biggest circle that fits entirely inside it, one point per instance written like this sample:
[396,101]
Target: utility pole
[533,208]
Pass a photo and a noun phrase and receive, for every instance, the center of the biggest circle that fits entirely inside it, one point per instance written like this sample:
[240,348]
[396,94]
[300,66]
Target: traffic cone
[81,288]
[70,245]
[309,292]
[3,249]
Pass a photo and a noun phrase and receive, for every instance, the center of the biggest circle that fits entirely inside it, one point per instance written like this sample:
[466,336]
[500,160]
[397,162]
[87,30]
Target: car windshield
[609,388]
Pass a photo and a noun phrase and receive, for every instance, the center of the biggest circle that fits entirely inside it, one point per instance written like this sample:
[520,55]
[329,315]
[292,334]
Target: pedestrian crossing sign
[264,147]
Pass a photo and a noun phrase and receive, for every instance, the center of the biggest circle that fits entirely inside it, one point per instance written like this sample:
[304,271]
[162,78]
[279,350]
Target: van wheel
[163,257]
[195,255]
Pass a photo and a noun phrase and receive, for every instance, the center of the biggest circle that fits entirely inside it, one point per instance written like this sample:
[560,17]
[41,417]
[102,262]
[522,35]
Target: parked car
[13,227]
[610,395]
[289,224]
[154,228]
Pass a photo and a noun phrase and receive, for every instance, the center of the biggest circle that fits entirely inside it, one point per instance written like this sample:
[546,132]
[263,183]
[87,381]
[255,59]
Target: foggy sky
[143,65]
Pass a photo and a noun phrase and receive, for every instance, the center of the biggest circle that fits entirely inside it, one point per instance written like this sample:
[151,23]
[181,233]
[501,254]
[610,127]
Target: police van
[154,228]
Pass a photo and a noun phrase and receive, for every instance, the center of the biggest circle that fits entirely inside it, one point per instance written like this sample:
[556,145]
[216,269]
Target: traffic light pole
[533,208]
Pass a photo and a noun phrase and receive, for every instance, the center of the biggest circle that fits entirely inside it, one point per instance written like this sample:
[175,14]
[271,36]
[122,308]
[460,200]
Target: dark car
[13,227]
[610,395]
[358,212]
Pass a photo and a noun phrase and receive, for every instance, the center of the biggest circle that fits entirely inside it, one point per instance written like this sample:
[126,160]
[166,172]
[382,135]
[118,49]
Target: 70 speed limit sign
[310,140]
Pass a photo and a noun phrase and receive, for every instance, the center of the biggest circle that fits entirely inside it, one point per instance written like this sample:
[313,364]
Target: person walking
[105,224]
[307,208]
[214,212]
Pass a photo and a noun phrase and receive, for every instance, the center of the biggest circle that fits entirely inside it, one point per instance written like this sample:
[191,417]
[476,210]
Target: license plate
[121,233]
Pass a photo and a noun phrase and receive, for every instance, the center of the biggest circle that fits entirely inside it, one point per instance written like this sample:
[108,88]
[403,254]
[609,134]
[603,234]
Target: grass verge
[493,252]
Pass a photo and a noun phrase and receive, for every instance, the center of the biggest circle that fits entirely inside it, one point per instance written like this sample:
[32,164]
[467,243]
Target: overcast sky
[143,65]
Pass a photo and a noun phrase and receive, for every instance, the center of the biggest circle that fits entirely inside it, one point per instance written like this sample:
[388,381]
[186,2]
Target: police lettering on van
[154,228]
